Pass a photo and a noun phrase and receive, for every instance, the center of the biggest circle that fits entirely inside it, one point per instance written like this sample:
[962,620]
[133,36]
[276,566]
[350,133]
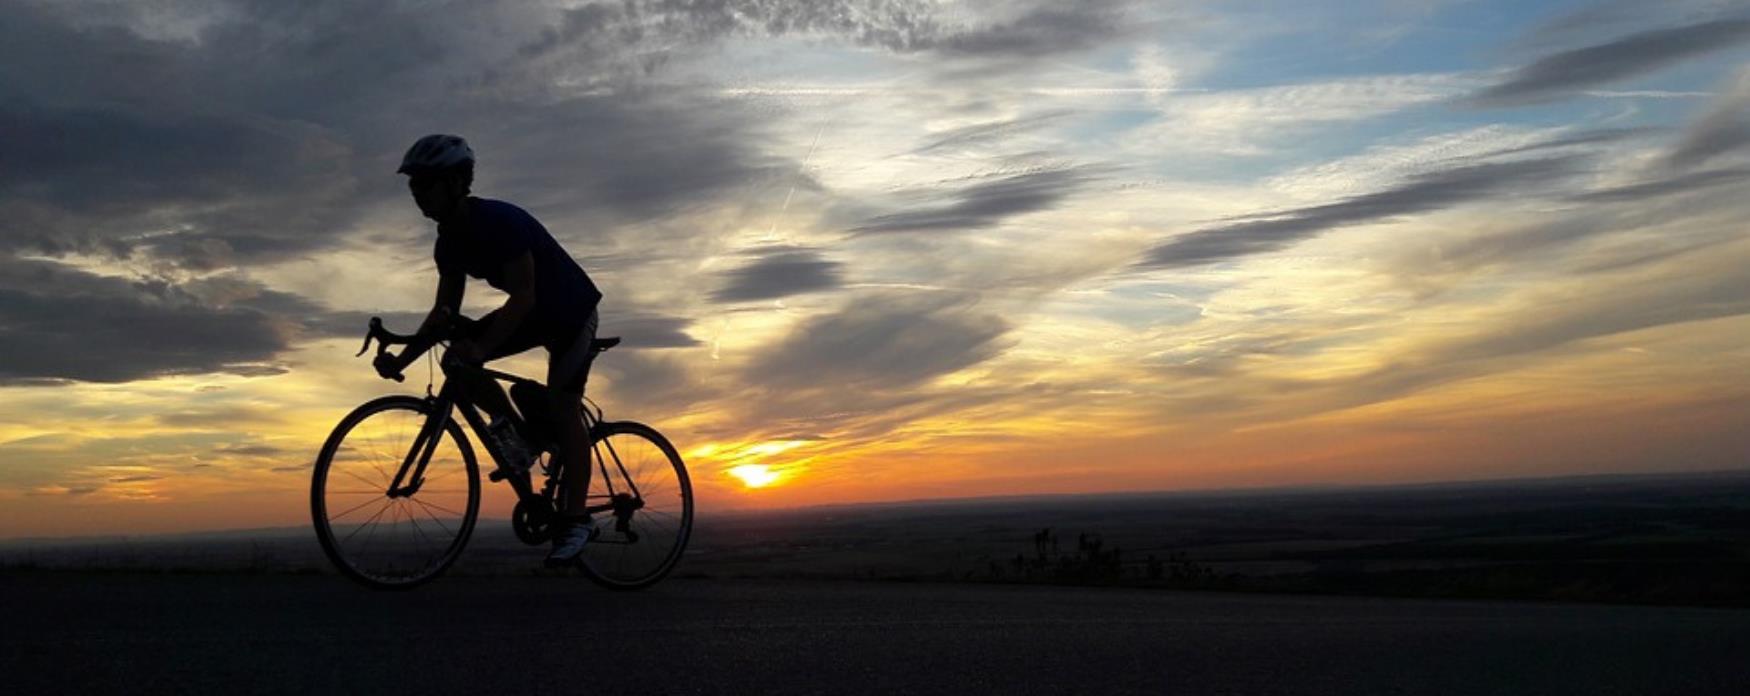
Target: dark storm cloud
[888,342]
[1421,194]
[986,204]
[1560,74]
[1665,187]
[780,272]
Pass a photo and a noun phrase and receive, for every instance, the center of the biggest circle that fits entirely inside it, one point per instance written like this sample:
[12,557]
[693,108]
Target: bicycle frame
[411,475]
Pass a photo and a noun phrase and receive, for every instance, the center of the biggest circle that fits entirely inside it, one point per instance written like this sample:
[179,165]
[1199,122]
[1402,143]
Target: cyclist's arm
[519,281]
[447,305]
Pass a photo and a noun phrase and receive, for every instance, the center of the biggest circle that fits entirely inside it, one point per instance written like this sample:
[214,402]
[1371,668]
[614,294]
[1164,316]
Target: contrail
[773,233]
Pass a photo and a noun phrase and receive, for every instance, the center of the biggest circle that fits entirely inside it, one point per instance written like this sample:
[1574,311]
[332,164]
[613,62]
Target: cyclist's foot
[568,543]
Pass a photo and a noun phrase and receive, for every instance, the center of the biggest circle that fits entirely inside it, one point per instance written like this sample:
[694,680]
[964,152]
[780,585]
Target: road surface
[97,633]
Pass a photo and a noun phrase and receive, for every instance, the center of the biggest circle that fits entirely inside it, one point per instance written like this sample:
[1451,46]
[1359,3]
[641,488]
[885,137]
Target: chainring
[533,524]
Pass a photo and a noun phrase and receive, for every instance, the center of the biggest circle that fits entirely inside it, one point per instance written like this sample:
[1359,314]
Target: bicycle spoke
[373,518]
[351,510]
[445,509]
[434,518]
[367,482]
[416,529]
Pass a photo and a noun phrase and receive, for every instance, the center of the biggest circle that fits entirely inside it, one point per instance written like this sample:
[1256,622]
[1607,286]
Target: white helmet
[436,152]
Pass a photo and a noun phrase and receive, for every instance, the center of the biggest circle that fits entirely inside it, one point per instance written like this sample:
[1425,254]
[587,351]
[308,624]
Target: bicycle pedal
[497,475]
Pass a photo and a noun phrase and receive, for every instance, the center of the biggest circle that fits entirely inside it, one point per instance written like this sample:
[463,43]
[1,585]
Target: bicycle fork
[411,475]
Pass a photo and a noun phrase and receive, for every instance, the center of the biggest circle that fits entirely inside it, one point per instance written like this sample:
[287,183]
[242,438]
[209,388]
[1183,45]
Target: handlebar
[384,338]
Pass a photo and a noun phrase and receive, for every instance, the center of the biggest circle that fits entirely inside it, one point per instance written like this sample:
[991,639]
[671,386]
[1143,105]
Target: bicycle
[432,497]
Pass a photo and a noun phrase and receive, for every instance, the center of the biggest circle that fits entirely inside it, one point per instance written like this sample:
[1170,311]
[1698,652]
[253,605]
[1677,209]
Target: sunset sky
[866,250]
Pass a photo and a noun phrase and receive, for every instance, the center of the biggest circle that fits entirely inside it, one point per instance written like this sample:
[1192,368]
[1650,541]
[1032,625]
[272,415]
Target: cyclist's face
[435,195]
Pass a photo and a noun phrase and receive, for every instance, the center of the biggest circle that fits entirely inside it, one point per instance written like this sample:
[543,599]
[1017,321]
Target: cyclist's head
[440,172]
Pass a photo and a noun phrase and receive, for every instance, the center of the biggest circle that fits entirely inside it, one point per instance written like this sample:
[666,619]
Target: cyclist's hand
[388,366]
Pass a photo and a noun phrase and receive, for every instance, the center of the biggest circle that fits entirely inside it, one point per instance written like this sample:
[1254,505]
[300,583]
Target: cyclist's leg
[567,373]
[482,390]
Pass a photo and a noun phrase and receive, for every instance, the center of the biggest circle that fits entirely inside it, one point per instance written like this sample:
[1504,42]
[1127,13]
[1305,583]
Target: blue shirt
[495,233]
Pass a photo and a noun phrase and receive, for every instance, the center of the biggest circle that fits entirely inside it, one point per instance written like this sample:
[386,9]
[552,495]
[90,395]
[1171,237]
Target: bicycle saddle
[602,344]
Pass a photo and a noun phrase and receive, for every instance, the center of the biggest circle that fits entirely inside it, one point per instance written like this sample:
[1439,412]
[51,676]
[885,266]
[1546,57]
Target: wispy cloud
[1723,129]
[1421,194]
[1249,121]
[1683,183]
[1560,74]
[885,342]
[986,203]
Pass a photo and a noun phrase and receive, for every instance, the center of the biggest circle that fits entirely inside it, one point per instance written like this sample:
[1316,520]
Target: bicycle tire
[339,549]
[666,518]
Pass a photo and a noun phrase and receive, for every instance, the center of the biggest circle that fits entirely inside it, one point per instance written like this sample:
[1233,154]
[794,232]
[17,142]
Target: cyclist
[551,303]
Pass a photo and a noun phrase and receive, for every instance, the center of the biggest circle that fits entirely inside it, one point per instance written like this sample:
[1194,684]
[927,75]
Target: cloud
[901,26]
[267,136]
[986,204]
[1561,74]
[128,332]
[1598,136]
[1683,183]
[1708,290]
[256,450]
[780,272]
[1048,28]
[1723,129]
[980,134]
[1239,122]
[1420,194]
[58,322]
[646,381]
[642,329]
[884,342]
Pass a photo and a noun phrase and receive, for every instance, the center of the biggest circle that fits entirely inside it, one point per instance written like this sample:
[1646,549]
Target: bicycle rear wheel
[398,542]
[642,538]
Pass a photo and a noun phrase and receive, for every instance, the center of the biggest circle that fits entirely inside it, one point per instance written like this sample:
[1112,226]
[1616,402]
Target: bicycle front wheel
[640,539]
[393,542]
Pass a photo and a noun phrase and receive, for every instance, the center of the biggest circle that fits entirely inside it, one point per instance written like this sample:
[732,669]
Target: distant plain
[1621,539]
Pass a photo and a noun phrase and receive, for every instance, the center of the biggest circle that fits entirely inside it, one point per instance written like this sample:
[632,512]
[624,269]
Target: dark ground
[1675,540]
[81,632]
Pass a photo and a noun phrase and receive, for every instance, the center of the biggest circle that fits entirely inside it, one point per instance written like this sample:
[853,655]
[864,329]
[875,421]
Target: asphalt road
[94,633]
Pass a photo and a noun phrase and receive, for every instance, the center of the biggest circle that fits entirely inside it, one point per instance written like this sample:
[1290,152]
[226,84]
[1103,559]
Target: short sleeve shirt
[496,233]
